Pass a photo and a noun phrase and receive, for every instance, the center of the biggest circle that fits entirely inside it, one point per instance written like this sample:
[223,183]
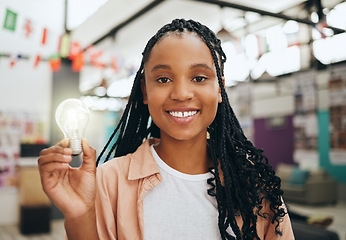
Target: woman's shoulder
[115,166]
[132,162]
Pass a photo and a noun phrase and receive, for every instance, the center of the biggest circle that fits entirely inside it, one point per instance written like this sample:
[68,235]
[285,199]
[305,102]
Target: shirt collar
[142,163]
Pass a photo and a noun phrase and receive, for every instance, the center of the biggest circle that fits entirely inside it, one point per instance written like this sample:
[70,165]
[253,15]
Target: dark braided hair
[242,177]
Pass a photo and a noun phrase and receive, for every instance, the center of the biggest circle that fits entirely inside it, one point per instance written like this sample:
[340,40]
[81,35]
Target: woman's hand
[72,190]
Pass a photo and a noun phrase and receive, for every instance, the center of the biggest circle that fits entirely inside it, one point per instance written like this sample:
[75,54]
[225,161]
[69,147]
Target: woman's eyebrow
[201,65]
[160,66]
[195,65]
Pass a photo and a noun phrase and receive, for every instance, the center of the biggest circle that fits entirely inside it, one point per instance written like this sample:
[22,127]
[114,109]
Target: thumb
[64,143]
[89,157]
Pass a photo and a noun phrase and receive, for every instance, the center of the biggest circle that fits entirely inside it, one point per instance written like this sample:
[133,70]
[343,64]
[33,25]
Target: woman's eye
[163,80]
[199,79]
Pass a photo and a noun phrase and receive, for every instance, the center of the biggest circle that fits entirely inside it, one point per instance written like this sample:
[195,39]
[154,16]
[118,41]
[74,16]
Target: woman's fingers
[55,154]
[59,148]
[54,158]
[54,166]
[61,155]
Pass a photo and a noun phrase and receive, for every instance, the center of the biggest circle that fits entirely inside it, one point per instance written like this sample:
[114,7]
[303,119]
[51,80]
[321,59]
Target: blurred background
[285,76]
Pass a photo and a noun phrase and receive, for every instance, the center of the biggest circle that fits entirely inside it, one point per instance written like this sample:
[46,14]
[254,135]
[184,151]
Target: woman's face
[181,87]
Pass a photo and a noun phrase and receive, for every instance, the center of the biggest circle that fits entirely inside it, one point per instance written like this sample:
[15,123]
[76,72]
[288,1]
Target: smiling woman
[168,179]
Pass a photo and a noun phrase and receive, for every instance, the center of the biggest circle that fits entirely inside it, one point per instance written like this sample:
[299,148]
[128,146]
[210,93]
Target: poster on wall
[17,127]
[10,133]
[337,116]
[305,121]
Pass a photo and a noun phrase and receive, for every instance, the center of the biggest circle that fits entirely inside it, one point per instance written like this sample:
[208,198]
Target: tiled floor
[58,233]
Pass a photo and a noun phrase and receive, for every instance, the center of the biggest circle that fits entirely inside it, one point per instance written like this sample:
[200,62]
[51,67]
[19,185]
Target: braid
[242,177]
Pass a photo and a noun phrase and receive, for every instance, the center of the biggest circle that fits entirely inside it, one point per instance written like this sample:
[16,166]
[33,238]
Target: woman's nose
[181,90]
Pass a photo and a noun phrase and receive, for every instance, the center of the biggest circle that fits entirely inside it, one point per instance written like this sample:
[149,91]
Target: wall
[276,140]
[25,90]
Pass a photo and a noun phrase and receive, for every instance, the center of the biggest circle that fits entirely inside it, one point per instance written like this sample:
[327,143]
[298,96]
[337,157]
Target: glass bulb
[72,116]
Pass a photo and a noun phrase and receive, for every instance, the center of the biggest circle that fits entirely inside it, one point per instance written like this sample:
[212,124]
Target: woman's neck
[188,157]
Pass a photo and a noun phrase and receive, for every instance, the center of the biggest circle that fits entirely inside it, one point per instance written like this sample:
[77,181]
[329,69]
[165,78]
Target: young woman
[183,168]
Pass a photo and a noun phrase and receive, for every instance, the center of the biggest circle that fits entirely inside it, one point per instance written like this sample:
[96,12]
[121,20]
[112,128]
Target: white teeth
[183,114]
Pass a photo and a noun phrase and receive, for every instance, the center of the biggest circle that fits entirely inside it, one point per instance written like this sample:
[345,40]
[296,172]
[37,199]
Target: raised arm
[72,190]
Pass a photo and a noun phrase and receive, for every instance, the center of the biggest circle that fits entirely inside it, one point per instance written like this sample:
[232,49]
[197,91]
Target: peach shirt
[121,186]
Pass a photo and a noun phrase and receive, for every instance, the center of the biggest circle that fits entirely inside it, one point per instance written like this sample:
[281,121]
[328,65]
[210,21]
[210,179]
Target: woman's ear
[144,91]
[223,83]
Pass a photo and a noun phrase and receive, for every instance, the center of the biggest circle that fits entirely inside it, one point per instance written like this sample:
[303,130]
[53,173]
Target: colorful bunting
[75,49]
[10,20]
[13,62]
[78,62]
[94,57]
[64,45]
[66,49]
[28,29]
[44,36]
[37,60]
[55,62]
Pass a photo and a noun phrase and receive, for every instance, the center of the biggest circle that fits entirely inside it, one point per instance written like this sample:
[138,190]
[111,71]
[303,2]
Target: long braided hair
[242,177]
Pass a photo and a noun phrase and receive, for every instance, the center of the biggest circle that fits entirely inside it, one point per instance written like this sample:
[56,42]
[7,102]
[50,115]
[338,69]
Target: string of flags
[66,48]
[72,50]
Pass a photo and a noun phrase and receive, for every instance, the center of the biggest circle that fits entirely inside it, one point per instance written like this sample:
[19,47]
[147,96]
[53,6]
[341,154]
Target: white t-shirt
[180,207]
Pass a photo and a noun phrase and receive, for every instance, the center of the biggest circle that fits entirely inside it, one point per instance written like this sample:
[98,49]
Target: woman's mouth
[182,114]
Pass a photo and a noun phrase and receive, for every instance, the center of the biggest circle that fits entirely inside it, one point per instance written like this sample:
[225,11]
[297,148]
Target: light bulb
[72,116]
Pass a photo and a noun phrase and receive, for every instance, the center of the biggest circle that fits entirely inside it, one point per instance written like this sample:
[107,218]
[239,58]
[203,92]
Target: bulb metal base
[76,146]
